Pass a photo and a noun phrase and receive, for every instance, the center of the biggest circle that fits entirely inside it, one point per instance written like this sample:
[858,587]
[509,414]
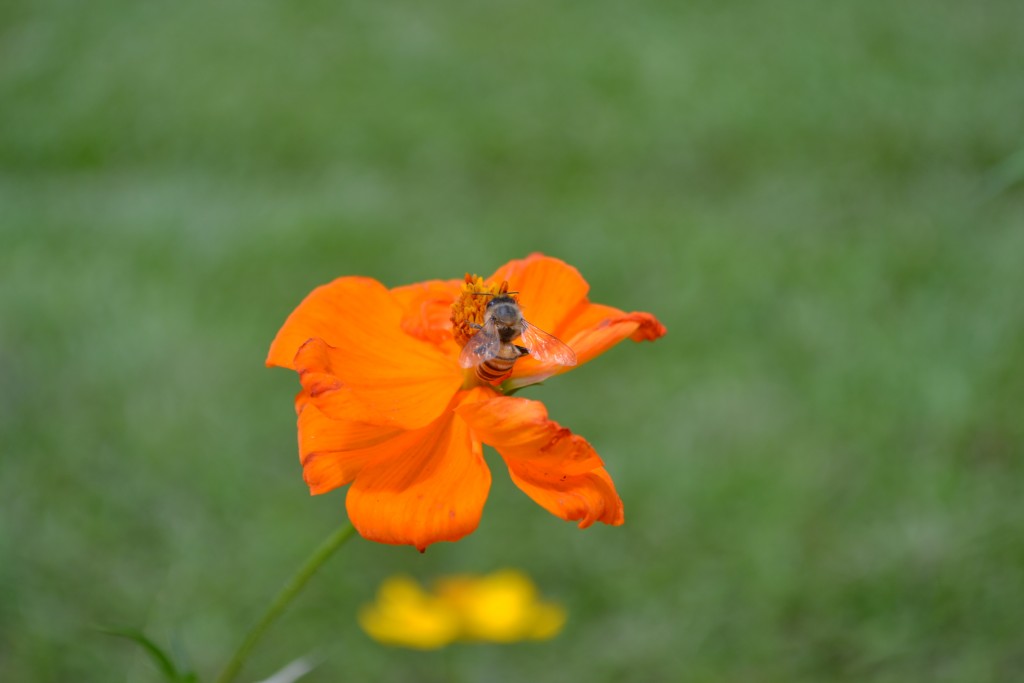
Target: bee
[492,350]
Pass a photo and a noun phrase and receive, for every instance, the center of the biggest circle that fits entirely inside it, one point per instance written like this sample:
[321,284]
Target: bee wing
[546,347]
[482,346]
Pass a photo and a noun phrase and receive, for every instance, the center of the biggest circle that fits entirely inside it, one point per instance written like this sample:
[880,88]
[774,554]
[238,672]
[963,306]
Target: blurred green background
[821,463]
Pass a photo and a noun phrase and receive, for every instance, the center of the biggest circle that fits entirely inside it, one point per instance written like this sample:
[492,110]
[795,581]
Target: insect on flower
[402,387]
[491,349]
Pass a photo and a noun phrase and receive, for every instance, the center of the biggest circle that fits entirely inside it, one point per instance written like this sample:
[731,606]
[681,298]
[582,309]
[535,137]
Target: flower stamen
[469,310]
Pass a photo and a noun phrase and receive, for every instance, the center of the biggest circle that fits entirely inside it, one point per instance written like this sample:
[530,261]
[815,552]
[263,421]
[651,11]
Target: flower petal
[394,379]
[427,309]
[587,497]
[324,313]
[406,615]
[520,428]
[556,468]
[346,341]
[423,486]
[322,387]
[597,317]
[595,330]
[332,452]
[549,289]
[501,607]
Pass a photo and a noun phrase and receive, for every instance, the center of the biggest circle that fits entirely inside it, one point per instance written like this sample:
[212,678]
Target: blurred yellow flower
[406,615]
[502,607]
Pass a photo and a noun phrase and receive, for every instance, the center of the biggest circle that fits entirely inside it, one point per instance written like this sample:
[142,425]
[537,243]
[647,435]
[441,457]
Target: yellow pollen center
[471,306]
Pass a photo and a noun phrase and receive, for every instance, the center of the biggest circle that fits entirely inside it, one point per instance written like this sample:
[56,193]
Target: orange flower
[386,406]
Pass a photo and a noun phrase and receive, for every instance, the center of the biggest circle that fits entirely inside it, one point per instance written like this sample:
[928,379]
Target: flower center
[471,307]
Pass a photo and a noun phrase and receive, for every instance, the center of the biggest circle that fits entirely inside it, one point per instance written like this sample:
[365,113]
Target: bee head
[502,299]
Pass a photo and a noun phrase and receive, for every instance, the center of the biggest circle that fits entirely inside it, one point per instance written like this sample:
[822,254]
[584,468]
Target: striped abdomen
[497,369]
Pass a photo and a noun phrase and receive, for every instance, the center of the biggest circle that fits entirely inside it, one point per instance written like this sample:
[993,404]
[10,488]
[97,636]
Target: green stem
[290,590]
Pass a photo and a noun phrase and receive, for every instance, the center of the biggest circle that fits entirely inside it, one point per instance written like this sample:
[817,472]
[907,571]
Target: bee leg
[523,351]
[475,326]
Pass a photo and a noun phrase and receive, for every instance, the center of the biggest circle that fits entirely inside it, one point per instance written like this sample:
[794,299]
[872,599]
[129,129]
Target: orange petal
[324,313]
[388,378]
[427,308]
[423,486]
[592,331]
[550,290]
[322,387]
[592,342]
[594,317]
[519,428]
[587,497]
[332,452]
[556,468]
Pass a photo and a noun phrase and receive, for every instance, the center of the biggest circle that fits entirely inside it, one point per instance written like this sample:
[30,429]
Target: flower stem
[288,592]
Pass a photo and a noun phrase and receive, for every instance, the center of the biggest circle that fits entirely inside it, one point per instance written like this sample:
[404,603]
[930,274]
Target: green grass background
[821,463]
